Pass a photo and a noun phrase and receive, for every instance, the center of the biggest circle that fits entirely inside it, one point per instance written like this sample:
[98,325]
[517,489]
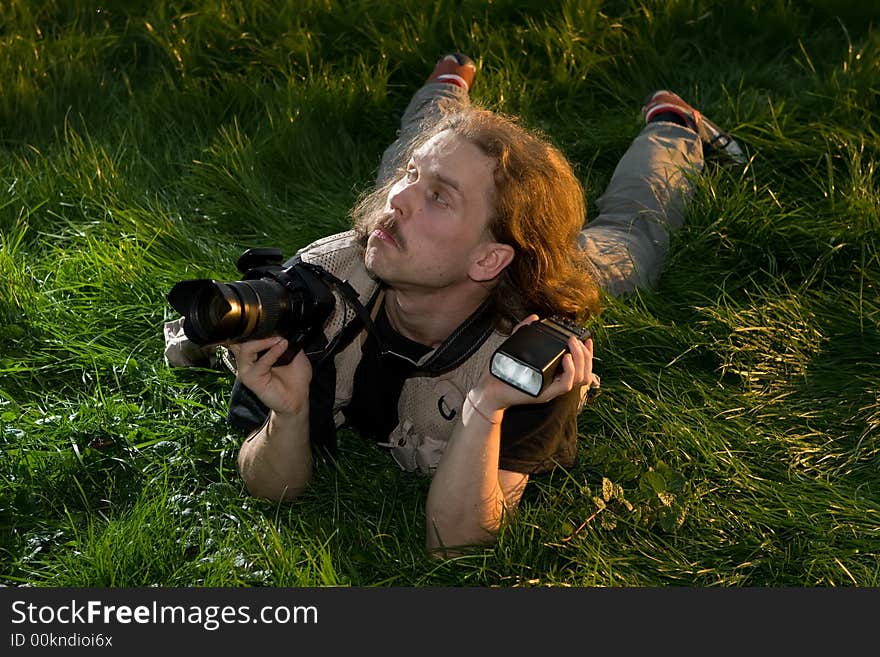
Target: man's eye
[411,175]
[437,198]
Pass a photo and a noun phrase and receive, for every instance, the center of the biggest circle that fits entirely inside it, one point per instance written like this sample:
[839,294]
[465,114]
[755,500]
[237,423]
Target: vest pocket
[430,409]
[413,451]
[402,444]
[429,453]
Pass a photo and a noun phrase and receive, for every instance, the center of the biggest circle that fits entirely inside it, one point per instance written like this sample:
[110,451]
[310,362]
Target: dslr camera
[271,299]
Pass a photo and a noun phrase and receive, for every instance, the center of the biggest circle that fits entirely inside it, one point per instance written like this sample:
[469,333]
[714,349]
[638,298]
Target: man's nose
[402,198]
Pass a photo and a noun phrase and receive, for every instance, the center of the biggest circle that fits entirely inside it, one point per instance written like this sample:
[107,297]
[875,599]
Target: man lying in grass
[475,228]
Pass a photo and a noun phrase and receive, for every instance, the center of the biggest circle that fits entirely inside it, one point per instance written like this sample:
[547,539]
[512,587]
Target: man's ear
[491,260]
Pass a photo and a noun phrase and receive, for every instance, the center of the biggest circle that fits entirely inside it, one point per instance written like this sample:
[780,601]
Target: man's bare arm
[469,494]
[275,461]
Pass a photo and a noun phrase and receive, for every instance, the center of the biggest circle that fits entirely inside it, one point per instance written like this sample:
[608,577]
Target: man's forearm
[466,502]
[275,462]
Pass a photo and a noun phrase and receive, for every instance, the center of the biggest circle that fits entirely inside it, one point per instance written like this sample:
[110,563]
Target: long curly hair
[538,209]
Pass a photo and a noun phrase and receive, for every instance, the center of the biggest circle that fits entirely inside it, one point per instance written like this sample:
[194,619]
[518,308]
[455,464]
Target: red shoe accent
[456,69]
[666,101]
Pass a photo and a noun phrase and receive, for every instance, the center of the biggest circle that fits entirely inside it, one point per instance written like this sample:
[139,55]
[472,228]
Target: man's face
[435,217]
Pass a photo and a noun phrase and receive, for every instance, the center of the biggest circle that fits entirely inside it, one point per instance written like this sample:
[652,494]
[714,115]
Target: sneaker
[454,68]
[717,144]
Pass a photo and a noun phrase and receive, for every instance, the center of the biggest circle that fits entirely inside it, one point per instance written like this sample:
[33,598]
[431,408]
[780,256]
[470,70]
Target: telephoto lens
[218,313]
[292,302]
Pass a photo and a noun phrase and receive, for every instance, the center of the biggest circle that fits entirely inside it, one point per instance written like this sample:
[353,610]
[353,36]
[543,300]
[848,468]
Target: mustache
[387,222]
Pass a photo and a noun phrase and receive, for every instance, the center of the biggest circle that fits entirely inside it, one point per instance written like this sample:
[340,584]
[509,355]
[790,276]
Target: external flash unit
[532,355]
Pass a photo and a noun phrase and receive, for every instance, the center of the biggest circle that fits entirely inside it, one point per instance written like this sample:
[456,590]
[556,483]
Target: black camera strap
[463,342]
[352,300]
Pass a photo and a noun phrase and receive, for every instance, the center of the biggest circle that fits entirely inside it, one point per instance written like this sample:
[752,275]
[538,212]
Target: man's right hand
[284,389]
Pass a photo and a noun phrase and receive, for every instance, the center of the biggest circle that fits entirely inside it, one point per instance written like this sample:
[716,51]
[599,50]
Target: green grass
[737,441]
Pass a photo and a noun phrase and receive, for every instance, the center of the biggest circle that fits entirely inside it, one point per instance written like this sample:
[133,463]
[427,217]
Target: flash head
[530,358]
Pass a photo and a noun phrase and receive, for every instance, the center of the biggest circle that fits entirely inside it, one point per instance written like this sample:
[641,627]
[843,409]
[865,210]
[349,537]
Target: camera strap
[352,300]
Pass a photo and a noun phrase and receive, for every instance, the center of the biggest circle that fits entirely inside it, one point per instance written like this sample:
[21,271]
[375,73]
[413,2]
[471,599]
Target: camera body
[532,355]
[293,302]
